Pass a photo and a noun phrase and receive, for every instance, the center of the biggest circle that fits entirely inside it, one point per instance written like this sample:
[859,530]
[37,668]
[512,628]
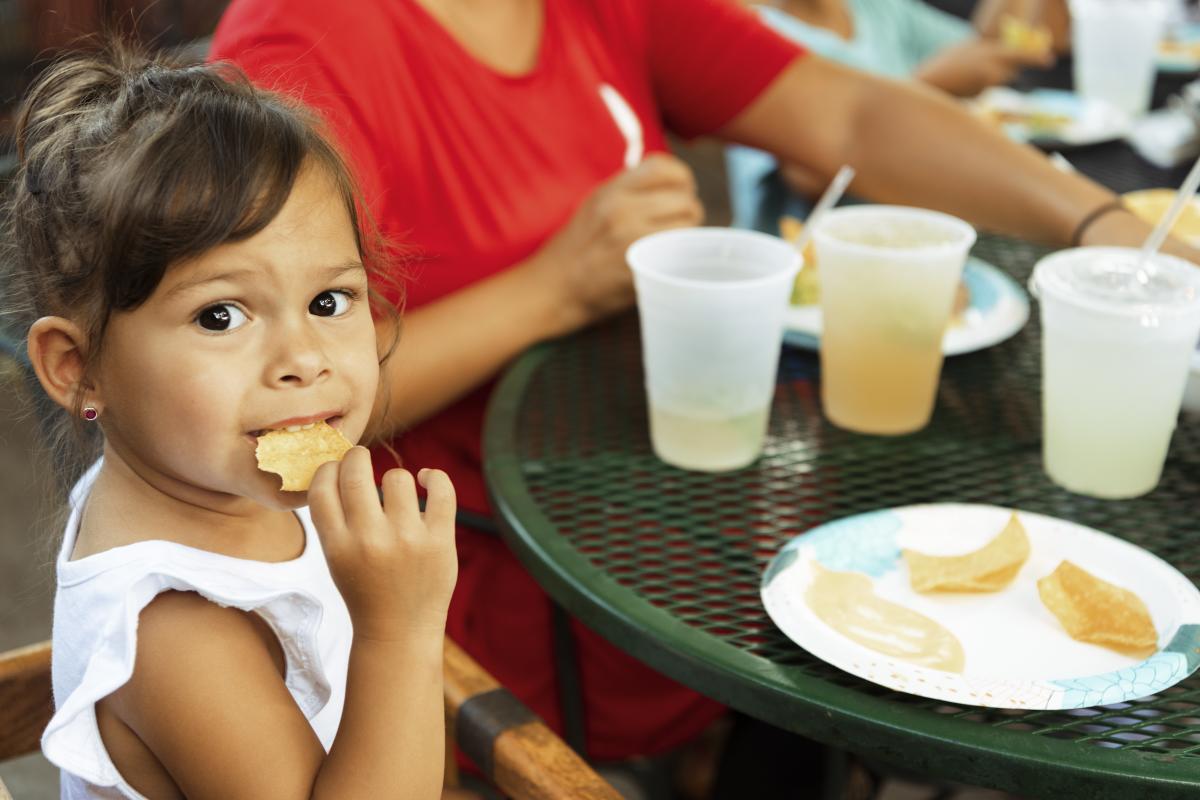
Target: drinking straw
[833,193]
[1186,192]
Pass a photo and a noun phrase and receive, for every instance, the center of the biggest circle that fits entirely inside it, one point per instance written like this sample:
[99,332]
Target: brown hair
[130,163]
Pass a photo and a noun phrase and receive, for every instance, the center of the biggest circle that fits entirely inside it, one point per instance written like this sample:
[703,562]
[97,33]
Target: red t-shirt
[475,170]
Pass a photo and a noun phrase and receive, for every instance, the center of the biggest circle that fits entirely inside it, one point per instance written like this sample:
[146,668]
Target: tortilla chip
[807,289]
[1017,34]
[1093,610]
[1151,206]
[295,455]
[988,569]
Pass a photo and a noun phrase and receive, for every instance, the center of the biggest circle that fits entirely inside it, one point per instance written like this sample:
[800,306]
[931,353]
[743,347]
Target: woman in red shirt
[518,146]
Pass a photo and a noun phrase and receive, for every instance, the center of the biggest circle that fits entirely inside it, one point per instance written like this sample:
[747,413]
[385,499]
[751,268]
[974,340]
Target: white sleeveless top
[96,613]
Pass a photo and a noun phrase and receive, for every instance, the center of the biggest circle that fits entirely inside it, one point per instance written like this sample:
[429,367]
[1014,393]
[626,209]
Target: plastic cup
[888,278]
[712,303]
[1115,49]
[1116,346]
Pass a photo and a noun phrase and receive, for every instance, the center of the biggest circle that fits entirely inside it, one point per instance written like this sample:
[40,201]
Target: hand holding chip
[394,564]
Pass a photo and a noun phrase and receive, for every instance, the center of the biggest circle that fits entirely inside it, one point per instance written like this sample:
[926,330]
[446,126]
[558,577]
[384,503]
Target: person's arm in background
[917,147]
[1053,14]
[952,56]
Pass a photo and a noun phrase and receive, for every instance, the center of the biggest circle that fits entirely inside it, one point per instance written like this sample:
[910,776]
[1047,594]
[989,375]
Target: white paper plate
[998,309]
[1017,653]
[1180,50]
[1191,392]
[1086,121]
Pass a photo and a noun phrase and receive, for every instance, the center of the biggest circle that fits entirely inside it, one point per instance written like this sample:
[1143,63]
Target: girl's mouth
[299,424]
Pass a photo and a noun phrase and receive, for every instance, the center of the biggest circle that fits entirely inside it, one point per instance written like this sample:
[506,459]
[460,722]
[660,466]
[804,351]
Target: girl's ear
[56,350]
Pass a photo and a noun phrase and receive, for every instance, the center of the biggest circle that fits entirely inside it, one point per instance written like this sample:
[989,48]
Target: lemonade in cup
[711,303]
[888,278]
[1117,341]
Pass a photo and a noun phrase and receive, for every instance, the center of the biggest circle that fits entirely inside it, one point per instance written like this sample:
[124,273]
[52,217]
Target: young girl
[190,259]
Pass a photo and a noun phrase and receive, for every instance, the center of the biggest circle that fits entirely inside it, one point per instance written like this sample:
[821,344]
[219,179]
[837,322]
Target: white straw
[1186,192]
[837,187]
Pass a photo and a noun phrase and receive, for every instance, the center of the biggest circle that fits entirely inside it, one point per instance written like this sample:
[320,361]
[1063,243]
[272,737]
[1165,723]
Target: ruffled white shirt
[96,613]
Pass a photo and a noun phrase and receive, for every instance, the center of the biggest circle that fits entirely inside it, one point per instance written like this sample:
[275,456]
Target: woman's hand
[585,260]
[968,68]
[394,565]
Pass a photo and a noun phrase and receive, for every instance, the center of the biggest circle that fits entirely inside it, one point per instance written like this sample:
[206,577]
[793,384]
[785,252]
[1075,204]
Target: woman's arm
[912,145]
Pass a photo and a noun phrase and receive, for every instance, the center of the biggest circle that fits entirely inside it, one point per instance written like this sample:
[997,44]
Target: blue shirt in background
[891,37]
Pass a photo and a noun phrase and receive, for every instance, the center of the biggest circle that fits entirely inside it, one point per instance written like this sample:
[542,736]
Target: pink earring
[90,413]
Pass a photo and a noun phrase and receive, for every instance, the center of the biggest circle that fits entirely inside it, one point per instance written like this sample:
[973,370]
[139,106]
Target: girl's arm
[207,697]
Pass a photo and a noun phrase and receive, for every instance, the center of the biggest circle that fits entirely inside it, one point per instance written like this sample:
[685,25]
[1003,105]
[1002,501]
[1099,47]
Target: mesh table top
[667,563]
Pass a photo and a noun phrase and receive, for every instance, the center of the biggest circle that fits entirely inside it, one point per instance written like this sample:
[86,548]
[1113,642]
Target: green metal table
[666,563]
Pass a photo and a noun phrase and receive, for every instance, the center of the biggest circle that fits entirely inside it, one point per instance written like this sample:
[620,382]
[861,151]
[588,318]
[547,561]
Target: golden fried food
[1096,611]
[1017,34]
[296,455]
[988,569]
[1151,206]
[806,291]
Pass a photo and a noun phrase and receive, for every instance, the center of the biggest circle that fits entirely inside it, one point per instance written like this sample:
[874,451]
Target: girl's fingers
[325,504]
[356,485]
[440,503]
[400,498]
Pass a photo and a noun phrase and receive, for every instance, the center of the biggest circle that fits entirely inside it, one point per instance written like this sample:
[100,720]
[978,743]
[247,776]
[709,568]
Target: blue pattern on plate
[1165,668]
[983,286]
[863,543]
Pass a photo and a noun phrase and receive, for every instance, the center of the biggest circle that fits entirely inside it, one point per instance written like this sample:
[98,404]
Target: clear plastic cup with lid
[1117,338]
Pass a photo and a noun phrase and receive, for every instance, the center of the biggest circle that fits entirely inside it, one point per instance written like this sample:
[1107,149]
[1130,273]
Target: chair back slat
[26,702]
[524,758]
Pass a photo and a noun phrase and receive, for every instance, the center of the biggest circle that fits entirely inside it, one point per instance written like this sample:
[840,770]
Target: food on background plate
[807,289]
[1096,611]
[846,602]
[988,569]
[1151,206]
[1038,123]
[295,455]
[1179,49]
[1017,34]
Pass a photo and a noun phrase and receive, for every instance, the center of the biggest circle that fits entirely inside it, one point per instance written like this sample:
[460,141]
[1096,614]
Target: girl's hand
[394,565]
[585,260]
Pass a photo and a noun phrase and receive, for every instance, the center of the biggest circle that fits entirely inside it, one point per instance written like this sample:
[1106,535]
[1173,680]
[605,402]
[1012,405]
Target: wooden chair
[513,749]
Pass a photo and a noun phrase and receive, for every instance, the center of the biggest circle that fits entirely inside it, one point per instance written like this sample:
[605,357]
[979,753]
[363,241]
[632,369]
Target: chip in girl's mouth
[296,455]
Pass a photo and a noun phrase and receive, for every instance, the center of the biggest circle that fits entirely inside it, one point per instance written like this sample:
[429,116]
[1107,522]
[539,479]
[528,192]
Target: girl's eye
[331,303]
[221,317]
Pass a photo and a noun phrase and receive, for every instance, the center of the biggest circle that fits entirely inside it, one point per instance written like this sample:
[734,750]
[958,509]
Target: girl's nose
[300,359]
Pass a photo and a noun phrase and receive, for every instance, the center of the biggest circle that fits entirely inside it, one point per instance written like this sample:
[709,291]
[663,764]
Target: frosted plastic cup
[888,279]
[1116,347]
[712,302]
[1115,49]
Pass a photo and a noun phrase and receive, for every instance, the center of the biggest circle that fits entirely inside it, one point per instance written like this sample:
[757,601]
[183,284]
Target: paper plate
[1017,655]
[998,309]
[1052,117]
[1191,392]
[1179,51]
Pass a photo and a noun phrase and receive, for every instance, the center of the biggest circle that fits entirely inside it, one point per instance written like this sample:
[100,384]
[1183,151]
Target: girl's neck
[124,508]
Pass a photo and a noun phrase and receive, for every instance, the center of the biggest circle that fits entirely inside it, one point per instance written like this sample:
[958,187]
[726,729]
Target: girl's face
[251,336]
